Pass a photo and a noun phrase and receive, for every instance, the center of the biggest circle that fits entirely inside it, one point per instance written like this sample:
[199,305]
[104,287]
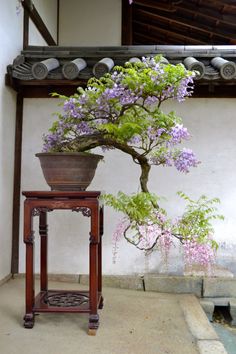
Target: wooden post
[17,185]
[127,31]
[43,231]
[26,30]
[37,20]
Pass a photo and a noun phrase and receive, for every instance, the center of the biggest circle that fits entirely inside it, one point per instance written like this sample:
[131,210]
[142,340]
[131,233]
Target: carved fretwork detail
[30,238]
[37,211]
[92,239]
[84,210]
[66,299]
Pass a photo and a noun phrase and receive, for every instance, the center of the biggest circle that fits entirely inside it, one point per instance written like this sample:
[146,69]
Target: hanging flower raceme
[196,252]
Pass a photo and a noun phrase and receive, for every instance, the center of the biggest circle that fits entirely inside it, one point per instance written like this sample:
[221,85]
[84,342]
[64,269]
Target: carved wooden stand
[39,203]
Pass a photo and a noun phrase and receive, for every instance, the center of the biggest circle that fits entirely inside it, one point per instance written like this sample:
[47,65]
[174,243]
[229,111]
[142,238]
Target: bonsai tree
[123,110]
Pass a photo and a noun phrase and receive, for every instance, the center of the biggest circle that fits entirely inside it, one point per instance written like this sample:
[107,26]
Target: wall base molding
[5,279]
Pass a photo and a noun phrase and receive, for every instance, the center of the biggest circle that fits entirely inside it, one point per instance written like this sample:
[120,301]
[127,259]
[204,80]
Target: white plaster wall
[90,22]
[11,41]
[48,12]
[213,127]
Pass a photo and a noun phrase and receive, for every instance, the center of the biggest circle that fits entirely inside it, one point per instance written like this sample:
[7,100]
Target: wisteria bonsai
[122,110]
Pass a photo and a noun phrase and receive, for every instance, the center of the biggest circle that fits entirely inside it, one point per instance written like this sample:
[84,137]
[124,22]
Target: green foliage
[197,218]
[122,132]
[138,207]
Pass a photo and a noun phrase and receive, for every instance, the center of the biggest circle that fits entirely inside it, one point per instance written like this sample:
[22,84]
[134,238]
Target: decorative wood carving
[37,211]
[67,299]
[85,211]
[30,238]
[92,239]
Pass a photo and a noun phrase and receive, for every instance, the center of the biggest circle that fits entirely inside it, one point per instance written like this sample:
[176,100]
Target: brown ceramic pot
[68,171]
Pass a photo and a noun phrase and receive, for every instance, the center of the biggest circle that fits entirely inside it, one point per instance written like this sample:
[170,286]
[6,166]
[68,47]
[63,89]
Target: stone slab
[196,318]
[201,271]
[173,284]
[232,310]
[219,301]
[117,281]
[208,307]
[219,287]
[71,278]
[211,347]
[5,279]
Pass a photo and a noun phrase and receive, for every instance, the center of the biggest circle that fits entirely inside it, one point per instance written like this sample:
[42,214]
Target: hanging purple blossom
[185,159]
[178,133]
[198,253]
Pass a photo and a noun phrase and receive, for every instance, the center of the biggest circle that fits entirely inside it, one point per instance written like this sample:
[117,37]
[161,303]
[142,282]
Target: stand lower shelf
[64,301]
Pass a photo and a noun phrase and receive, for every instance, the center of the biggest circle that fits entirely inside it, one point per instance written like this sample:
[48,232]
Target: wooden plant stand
[39,203]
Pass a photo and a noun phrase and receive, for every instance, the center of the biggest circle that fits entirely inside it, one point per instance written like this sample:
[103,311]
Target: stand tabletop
[61,194]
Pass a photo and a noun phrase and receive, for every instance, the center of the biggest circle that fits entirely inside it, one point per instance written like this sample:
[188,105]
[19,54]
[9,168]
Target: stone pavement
[131,322]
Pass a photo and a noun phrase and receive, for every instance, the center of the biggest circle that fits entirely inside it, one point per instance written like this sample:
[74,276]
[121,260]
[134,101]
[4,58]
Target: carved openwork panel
[37,211]
[84,210]
[67,299]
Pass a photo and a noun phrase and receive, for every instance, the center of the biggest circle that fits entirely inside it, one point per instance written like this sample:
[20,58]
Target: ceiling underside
[196,22]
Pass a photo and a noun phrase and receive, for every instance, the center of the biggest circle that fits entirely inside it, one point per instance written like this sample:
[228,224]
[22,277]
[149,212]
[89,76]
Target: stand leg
[100,306]
[43,251]
[29,241]
[93,271]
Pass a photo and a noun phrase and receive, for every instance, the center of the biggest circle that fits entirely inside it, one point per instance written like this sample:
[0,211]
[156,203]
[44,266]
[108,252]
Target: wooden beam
[37,20]
[127,33]
[26,30]
[192,7]
[171,20]
[206,12]
[17,185]
[169,33]
[58,20]
[143,39]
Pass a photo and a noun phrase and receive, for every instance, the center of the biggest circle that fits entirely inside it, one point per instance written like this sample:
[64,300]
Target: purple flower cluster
[185,159]
[165,242]
[121,227]
[50,141]
[185,88]
[70,108]
[178,133]
[182,159]
[135,140]
[198,253]
[154,133]
[83,128]
[148,234]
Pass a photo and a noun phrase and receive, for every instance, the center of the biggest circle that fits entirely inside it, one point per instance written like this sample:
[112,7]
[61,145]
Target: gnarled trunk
[145,167]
